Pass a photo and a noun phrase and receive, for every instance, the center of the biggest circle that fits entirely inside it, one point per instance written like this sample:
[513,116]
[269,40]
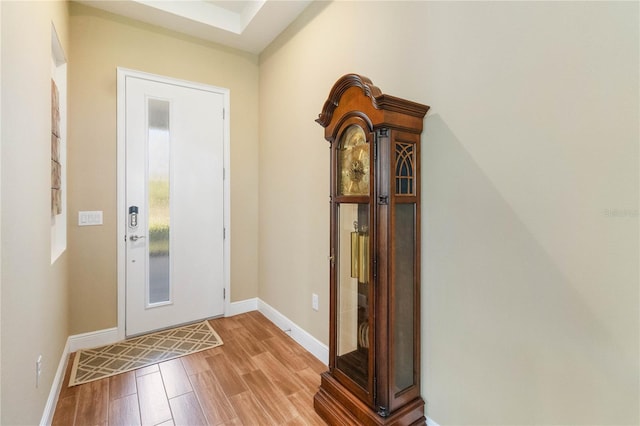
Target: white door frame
[121,183]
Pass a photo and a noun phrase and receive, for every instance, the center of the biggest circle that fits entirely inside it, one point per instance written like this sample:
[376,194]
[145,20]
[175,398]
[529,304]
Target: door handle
[136,237]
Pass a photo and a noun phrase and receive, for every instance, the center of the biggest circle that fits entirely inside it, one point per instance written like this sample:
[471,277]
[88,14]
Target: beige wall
[530,203]
[530,194]
[34,292]
[100,42]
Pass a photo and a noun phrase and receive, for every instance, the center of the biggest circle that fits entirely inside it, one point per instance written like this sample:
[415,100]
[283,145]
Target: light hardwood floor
[260,376]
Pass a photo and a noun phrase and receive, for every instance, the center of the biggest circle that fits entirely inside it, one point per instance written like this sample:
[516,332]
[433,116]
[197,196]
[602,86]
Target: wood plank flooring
[260,376]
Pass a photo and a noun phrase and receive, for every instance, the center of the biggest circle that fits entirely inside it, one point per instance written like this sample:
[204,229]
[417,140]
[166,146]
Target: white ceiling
[249,25]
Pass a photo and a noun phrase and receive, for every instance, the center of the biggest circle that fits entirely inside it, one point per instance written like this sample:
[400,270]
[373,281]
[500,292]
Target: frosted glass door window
[159,288]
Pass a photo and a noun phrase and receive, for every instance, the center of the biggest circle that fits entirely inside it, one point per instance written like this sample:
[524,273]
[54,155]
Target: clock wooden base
[337,406]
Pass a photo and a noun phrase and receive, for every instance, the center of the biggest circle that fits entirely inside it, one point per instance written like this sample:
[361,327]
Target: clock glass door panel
[404,285]
[353,277]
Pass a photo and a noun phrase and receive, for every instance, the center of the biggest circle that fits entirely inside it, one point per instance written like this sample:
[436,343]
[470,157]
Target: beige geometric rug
[131,354]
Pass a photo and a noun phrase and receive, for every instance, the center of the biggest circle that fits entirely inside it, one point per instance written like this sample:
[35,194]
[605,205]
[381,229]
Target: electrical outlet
[38,369]
[314,301]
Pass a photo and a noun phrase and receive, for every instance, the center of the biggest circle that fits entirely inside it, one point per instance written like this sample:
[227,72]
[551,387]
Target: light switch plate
[90,218]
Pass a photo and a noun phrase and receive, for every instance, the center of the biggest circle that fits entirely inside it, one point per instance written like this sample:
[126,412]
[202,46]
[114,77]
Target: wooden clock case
[374,335]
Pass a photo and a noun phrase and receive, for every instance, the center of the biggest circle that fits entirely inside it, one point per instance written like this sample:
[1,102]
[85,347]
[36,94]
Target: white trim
[121,201]
[56,386]
[241,307]
[93,339]
[74,343]
[297,333]
[226,159]
[431,422]
[59,76]
[122,73]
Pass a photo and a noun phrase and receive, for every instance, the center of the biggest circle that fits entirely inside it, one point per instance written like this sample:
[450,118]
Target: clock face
[353,162]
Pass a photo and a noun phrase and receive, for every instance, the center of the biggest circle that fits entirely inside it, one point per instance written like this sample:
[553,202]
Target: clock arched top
[354,92]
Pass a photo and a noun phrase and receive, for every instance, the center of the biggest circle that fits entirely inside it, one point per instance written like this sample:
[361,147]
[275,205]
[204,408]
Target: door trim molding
[122,74]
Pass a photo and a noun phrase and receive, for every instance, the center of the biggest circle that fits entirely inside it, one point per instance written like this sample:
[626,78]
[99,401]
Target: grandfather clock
[374,337]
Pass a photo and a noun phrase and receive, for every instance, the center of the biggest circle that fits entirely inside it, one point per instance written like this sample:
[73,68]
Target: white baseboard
[431,422]
[241,307]
[56,386]
[74,343]
[110,335]
[93,339]
[306,340]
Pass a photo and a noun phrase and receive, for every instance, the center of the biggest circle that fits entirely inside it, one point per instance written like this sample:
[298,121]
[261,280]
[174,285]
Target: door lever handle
[136,237]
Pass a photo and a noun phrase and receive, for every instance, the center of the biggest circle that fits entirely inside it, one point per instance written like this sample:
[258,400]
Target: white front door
[174,203]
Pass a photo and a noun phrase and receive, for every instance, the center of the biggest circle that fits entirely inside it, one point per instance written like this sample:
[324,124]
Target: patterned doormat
[131,354]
